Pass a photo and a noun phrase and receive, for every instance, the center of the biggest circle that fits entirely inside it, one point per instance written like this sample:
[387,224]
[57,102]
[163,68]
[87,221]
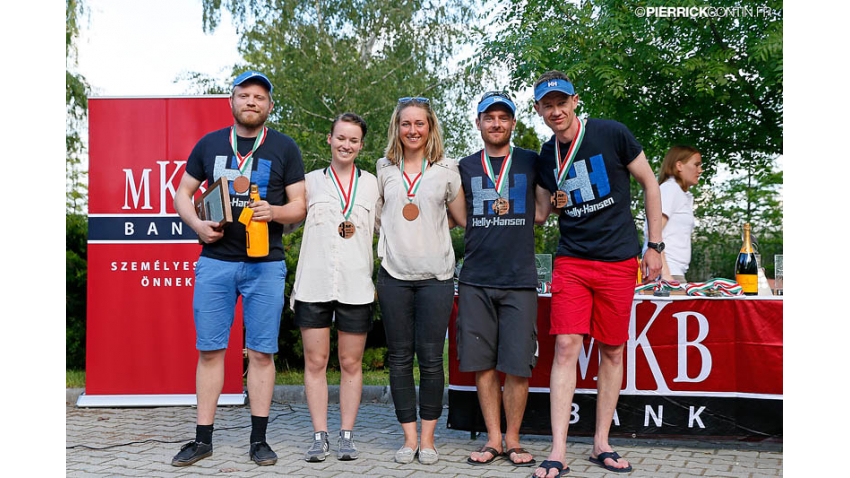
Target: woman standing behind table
[679,171]
[333,282]
[415,282]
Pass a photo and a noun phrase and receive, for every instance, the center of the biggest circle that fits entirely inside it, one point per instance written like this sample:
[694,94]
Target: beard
[250,119]
[498,139]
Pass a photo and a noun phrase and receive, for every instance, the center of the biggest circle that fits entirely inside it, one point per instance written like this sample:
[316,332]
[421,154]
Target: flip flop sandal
[485,449]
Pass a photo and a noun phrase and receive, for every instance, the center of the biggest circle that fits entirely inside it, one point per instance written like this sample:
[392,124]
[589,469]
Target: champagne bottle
[256,232]
[746,269]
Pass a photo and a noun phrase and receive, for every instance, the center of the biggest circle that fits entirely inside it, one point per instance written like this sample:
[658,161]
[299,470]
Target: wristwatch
[658,246]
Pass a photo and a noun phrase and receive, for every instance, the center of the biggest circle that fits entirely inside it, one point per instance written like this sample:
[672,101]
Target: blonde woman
[415,282]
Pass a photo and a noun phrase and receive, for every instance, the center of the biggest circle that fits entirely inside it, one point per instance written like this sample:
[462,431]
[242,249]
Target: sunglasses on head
[500,94]
[412,99]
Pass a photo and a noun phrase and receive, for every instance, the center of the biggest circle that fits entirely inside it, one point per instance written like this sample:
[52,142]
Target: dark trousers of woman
[415,316]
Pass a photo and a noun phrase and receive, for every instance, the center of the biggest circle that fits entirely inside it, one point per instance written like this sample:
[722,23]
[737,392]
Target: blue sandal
[549,464]
[600,460]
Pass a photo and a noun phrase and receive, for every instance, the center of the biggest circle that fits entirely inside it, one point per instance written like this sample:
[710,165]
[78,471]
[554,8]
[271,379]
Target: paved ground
[141,442]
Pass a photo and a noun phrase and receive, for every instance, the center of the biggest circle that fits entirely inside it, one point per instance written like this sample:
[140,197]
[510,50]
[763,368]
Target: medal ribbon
[346,201]
[564,164]
[499,181]
[718,287]
[412,186]
[244,162]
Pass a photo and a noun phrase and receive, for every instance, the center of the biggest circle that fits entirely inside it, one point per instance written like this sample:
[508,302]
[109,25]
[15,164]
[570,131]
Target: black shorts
[497,328]
[351,318]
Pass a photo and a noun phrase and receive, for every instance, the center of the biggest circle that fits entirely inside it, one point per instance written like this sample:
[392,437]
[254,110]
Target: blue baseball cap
[253,75]
[496,98]
[555,84]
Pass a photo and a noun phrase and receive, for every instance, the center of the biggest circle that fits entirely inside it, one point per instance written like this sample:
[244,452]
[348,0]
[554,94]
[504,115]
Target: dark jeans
[415,316]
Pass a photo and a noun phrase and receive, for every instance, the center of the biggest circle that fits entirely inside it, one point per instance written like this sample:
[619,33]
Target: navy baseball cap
[555,84]
[253,75]
[496,98]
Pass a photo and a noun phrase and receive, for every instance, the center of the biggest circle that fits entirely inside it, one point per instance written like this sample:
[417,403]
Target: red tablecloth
[693,366]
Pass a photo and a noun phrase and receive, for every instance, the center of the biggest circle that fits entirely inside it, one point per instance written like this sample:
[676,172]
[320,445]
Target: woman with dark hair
[333,283]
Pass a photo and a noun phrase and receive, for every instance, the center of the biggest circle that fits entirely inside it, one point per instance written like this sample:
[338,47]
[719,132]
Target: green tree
[333,56]
[712,81]
[76,93]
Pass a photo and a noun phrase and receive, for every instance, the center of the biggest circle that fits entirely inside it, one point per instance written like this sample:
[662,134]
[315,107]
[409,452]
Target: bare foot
[485,454]
[550,469]
[519,455]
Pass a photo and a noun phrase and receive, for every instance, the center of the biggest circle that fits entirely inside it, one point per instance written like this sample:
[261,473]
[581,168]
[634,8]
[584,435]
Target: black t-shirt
[499,250]
[275,165]
[597,222]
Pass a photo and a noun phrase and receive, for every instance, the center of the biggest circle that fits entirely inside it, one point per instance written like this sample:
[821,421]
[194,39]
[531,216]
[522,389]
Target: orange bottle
[256,232]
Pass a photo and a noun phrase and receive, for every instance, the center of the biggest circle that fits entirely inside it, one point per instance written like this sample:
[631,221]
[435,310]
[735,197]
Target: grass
[77,378]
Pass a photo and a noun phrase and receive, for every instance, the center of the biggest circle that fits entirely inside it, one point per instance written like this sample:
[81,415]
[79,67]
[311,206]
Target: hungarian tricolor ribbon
[244,162]
[412,185]
[500,180]
[346,199]
[567,161]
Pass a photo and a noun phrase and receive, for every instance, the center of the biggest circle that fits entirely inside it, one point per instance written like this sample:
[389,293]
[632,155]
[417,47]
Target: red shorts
[593,297]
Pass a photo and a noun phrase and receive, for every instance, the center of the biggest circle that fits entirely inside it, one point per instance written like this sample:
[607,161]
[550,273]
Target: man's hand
[651,264]
[209,232]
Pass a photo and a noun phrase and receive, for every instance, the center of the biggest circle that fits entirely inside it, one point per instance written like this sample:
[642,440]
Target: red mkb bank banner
[140,335]
[692,366]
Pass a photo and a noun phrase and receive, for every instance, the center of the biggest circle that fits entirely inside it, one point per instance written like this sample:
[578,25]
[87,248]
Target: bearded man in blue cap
[497,287]
[246,154]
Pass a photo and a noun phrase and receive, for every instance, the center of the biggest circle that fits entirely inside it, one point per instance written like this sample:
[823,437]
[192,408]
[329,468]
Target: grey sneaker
[347,450]
[320,448]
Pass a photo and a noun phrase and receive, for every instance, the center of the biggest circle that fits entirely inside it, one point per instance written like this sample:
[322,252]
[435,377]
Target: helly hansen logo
[587,181]
[483,197]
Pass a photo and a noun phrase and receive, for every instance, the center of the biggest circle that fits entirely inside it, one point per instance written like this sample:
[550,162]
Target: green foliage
[76,232]
[326,58]
[715,83]
[290,349]
[712,82]
[374,358]
[76,107]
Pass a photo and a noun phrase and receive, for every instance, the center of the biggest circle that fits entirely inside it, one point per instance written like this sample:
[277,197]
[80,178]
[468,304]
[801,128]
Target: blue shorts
[217,286]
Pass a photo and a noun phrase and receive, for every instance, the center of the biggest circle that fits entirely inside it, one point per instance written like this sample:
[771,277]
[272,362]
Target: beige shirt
[421,248]
[329,266]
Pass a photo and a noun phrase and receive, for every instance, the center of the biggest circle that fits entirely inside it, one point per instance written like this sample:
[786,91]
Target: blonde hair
[433,147]
[668,166]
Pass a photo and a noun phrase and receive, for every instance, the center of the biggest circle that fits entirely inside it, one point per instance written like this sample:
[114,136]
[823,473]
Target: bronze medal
[346,229]
[559,199]
[410,211]
[241,184]
[501,206]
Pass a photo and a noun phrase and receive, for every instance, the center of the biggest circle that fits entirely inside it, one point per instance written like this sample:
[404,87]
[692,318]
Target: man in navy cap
[247,154]
[497,287]
[590,163]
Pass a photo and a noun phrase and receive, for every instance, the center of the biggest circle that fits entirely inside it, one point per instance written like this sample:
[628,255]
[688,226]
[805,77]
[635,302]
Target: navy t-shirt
[275,165]
[499,250]
[597,222]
